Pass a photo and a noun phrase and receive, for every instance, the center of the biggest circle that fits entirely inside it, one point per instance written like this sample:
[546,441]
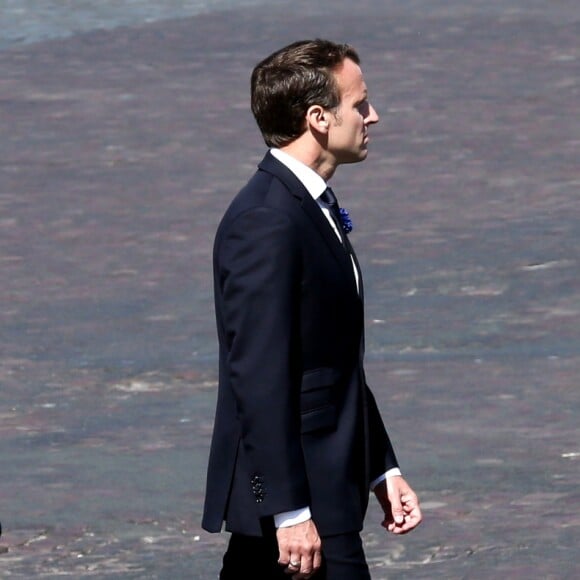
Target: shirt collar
[313,183]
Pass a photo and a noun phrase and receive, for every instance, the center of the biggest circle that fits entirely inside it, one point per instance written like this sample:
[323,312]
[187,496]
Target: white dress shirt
[315,186]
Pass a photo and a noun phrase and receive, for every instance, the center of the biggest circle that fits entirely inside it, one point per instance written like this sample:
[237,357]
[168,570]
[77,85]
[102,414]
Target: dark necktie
[330,200]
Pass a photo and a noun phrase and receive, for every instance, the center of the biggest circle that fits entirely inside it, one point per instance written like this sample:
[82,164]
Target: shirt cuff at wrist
[390,473]
[292,518]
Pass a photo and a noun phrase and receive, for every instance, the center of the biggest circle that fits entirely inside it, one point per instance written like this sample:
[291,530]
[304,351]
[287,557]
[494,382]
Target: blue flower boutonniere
[345,220]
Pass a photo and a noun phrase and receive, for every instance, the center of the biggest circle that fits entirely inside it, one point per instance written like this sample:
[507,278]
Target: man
[298,440]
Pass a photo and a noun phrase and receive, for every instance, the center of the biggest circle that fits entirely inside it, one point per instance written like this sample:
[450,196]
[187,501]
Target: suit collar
[272,165]
[311,180]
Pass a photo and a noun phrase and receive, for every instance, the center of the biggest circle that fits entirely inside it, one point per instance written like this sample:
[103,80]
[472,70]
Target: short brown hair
[289,81]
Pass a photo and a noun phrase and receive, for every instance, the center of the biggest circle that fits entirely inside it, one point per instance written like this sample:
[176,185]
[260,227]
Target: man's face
[348,130]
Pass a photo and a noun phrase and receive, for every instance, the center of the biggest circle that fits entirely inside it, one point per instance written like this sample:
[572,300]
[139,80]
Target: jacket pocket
[317,403]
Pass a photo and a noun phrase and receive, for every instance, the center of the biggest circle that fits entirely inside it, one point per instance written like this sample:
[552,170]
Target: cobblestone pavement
[119,151]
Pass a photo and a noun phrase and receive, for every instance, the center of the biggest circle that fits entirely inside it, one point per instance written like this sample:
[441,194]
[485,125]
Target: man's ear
[317,119]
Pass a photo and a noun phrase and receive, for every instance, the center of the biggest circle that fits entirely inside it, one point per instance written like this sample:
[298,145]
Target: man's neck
[311,155]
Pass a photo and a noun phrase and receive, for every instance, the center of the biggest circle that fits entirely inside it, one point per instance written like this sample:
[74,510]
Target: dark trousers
[256,558]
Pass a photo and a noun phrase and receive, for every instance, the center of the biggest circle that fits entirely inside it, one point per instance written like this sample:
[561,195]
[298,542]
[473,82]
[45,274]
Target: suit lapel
[312,209]
[357,266]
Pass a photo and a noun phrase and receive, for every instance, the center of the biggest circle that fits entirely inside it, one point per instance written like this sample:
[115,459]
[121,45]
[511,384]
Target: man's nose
[372,117]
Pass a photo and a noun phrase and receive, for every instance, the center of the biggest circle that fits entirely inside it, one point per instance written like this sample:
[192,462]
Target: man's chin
[353,157]
[362,155]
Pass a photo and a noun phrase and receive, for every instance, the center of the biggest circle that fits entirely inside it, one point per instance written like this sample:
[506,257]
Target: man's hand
[400,504]
[299,548]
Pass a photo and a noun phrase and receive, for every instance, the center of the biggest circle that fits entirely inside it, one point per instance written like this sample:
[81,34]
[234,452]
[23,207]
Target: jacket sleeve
[382,454]
[259,281]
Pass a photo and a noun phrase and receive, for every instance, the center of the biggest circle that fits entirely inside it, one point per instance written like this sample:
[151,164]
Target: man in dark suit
[298,440]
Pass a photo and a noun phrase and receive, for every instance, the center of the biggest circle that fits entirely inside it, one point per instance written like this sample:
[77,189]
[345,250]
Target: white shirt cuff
[292,518]
[391,473]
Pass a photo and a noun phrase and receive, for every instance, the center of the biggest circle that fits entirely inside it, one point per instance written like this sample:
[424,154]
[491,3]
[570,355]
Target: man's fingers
[309,566]
[299,548]
[302,570]
[397,511]
[293,566]
[283,556]
[317,560]
[394,494]
[411,520]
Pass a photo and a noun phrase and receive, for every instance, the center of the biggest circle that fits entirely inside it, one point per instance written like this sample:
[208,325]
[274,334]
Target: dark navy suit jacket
[295,424]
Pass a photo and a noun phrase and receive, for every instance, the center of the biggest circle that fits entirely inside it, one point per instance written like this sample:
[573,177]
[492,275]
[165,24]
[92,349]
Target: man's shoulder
[272,188]
[266,189]
[263,206]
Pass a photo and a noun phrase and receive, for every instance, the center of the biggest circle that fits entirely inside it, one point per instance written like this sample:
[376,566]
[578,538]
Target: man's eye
[363,108]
